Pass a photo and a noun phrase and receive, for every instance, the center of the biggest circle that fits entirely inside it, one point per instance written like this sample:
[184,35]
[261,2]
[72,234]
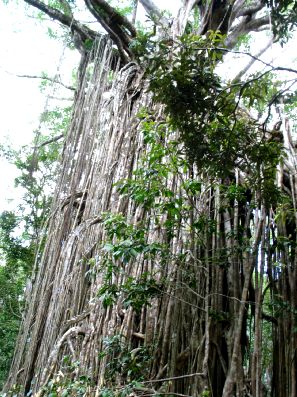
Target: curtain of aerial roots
[205,326]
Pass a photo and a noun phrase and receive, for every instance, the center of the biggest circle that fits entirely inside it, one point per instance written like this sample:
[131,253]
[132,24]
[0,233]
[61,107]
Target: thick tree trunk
[195,326]
[65,317]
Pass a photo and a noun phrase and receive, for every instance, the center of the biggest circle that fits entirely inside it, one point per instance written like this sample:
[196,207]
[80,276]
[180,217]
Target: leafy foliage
[284,17]
[64,386]
[143,44]
[16,262]
[21,230]
[126,242]
[124,362]
[216,135]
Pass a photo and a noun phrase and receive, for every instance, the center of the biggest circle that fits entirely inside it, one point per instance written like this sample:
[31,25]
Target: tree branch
[238,4]
[255,24]
[52,79]
[55,139]
[183,16]
[175,378]
[251,62]
[216,16]
[66,7]
[51,12]
[245,26]
[135,6]
[154,12]
[112,16]
[250,10]
[117,26]
[75,26]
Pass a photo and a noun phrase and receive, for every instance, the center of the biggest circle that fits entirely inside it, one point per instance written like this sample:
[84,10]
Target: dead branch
[72,198]
[139,335]
[56,98]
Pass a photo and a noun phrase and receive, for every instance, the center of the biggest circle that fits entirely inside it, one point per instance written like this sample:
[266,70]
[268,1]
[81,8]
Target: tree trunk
[186,333]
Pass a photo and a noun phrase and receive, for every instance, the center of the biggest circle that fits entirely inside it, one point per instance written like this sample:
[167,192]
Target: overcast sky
[25,50]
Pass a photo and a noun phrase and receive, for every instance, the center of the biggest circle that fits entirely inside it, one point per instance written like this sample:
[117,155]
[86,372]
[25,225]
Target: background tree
[23,230]
[17,259]
[173,224]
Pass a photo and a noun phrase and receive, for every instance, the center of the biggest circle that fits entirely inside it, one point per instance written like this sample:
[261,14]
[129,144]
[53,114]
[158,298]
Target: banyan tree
[169,265]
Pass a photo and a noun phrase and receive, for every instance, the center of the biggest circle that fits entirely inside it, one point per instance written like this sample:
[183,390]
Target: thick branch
[216,16]
[183,16]
[240,10]
[250,10]
[245,26]
[51,12]
[66,7]
[255,24]
[112,16]
[76,27]
[238,5]
[115,26]
[154,12]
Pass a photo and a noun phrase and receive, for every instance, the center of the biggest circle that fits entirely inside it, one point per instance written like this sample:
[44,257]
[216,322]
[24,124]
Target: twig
[175,378]
[255,57]
[52,79]
[252,61]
